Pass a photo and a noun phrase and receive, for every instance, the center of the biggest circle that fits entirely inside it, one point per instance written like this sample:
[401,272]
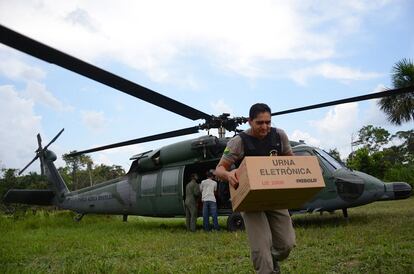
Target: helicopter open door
[222,194]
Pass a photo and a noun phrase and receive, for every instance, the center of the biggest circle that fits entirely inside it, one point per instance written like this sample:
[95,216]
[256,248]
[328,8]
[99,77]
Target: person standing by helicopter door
[208,187]
[192,192]
[270,233]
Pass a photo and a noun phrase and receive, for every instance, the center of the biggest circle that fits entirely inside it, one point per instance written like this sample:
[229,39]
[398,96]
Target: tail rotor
[40,152]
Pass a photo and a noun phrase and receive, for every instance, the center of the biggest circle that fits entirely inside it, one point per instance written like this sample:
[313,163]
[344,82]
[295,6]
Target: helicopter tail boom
[30,196]
[55,193]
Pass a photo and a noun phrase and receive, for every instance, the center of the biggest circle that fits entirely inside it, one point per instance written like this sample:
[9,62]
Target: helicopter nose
[396,191]
[401,190]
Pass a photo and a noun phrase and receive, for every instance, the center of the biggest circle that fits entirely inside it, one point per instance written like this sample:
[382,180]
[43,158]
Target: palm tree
[400,108]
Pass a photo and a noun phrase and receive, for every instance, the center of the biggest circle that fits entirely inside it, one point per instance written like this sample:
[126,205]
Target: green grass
[377,238]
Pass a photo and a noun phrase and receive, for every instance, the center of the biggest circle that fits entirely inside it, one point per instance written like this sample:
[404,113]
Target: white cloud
[94,120]
[379,88]
[15,69]
[334,129]
[338,118]
[39,93]
[118,156]
[102,159]
[81,17]
[373,115]
[18,129]
[341,124]
[235,35]
[331,71]
[220,107]
[298,135]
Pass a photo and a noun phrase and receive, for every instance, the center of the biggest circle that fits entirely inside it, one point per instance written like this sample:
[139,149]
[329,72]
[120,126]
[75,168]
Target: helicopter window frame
[148,186]
[170,180]
[328,160]
[321,161]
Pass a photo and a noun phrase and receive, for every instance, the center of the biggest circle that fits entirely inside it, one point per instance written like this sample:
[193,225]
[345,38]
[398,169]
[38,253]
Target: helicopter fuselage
[155,184]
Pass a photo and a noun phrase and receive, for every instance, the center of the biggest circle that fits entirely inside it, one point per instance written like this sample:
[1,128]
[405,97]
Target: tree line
[388,157]
[79,172]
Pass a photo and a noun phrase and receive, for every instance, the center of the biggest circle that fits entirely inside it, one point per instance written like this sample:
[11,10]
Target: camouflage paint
[163,196]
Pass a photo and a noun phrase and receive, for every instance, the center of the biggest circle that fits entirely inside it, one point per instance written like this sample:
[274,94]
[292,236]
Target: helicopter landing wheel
[235,222]
[78,217]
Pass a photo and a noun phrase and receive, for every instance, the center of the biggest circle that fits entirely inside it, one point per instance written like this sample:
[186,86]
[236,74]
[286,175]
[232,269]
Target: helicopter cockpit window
[303,153]
[169,182]
[329,161]
[307,153]
[148,184]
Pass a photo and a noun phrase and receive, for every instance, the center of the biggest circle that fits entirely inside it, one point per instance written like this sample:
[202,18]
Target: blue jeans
[210,208]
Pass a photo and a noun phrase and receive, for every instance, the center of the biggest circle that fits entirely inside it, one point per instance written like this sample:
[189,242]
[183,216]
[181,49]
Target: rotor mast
[221,132]
[223,123]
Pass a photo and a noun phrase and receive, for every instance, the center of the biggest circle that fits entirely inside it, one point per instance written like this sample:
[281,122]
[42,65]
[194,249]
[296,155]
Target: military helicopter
[155,182]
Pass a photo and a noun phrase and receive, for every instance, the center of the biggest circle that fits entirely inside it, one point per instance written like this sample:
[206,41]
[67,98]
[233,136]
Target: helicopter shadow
[154,224]
[338,220]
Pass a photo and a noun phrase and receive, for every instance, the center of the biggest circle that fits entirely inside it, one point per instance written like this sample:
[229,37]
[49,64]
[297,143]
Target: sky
[215,56]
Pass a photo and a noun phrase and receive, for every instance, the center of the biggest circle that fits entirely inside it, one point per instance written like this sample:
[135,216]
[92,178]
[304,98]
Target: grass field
[377,238]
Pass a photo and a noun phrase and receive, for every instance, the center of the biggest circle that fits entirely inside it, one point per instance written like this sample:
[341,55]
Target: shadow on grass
[159,224]
[171,224]
[335,220]
[57,218]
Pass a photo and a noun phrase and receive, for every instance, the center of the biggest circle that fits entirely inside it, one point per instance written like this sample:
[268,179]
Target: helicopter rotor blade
[39,149]
[165,135]
[34,159]
[381,94]
[54,139]
[39,142]
[32,47]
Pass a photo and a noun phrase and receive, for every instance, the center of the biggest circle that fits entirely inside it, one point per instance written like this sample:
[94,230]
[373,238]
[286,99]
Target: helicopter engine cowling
[197,149]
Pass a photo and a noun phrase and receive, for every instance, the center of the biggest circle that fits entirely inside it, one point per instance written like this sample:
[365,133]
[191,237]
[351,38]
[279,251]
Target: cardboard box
[276,182]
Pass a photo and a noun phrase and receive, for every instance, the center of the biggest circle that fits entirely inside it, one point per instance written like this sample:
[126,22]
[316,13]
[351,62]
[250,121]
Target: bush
[400,174]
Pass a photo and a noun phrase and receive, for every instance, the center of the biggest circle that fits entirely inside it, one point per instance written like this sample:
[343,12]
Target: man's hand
[229,176]
[232,178]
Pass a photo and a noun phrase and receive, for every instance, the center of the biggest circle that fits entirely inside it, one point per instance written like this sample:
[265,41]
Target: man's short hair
[210,173]
[194,176]
[258,108]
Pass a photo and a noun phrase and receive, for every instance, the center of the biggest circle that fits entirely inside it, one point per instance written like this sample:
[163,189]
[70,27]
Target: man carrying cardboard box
[270,233]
